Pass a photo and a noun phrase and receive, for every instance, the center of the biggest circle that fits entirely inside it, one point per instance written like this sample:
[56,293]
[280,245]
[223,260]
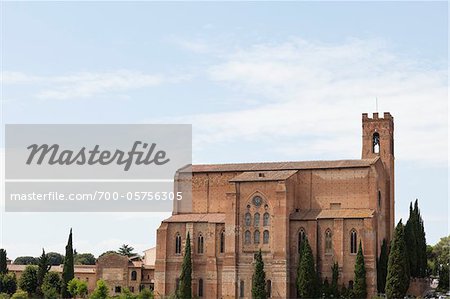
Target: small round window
[257,200]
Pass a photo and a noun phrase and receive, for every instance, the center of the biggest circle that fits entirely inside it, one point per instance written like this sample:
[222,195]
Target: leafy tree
[55,259]
[8,283]
[146,294]
[82,289]
[101,291]
[44,267]
[334,280]
[185,287]
[20,295]
[107,252]
[4,296]
[25,260]
[127,294]
[307,284]
[326,289]
[72,287]
[259,278]
[360,285]
[51,285]
[84,259]
[382,264]
[126,250]
[68,269]
[443,278]
[28,280]
[397,281]
[3,263]
[416,242]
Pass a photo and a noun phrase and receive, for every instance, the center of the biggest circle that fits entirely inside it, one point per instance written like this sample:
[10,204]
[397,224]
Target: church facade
[238,209]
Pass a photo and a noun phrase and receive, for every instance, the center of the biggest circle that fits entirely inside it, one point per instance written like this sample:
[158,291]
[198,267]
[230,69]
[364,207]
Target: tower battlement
[376,117]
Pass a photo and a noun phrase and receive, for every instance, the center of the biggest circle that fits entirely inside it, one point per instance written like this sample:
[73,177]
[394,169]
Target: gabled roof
[330,214]
[271,166]
[212,218]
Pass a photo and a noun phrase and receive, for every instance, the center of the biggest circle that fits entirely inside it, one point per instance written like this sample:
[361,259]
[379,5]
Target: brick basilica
[238,209]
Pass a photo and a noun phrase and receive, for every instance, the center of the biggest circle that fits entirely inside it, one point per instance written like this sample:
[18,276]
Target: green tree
[126,250]
[108,252]
[8,283]
[326,289]
[307,284]
[360,285]
[443,278]
[126,294]
[82,289]
[25,260]
[51,285]
[44,267]
[84,259]
[259,278]
[3,263]
[334,280]
[185,287]
[55,259]
[146,294]
[72,287]
[382,264]
[28,280]
[20,295]
[101,291]
[397,281]
[68,269]
[421,243]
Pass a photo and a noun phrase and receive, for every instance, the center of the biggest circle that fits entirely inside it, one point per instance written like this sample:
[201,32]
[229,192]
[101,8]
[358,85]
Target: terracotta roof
[77,268]
[281,165]
[150,257]
[257,176]
[213,218]
[327,214]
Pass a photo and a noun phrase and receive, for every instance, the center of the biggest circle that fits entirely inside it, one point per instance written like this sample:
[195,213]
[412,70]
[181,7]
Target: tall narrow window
[266,237]
[301,238]
[266,219]
[200,287]
[222,241]
[178,244]
[376,143]
[256,237]
[200,244]
[247,237]
[269,288]
[133,275]
[379,198]
[328,242]
[241,289]
[256,220]
[248,219]
[353,240]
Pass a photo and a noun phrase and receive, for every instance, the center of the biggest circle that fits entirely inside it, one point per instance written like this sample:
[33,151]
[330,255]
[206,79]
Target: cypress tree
[411,241]
[334,280]
[3,263]
[185,288]
[421,247]
[44,267]
[397,281]
[259,278]
[68,268]
[307,285]
[382,264]
[360,285]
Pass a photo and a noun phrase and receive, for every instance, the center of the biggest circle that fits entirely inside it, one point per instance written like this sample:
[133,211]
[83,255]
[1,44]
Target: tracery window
[178,244]
[353,241]
[266,237]
[256,237]
[266,219]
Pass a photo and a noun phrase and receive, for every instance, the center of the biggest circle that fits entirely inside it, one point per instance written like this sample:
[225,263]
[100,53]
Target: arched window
[266,219]
[241,288]
[178,244]
[247,237]
[200,287]
[353,240]
[200,243]
[248,219]
[256,237]
[269,288]
[266,237]
[256,220]
[301,238]
[376,143]
[133,275]
[328,242]
[222,241]
[379,198]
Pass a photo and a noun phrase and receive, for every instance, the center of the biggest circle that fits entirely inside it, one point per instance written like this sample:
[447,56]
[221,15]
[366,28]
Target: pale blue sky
[269,81]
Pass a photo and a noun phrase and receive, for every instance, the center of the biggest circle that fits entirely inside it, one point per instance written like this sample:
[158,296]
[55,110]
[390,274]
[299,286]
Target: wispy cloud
[317,92]
[88,84]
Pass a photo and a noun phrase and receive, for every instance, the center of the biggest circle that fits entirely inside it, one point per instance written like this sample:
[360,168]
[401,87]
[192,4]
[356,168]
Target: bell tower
[378,140]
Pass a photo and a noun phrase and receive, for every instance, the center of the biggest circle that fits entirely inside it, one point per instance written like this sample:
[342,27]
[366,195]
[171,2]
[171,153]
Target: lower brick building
[238,209]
